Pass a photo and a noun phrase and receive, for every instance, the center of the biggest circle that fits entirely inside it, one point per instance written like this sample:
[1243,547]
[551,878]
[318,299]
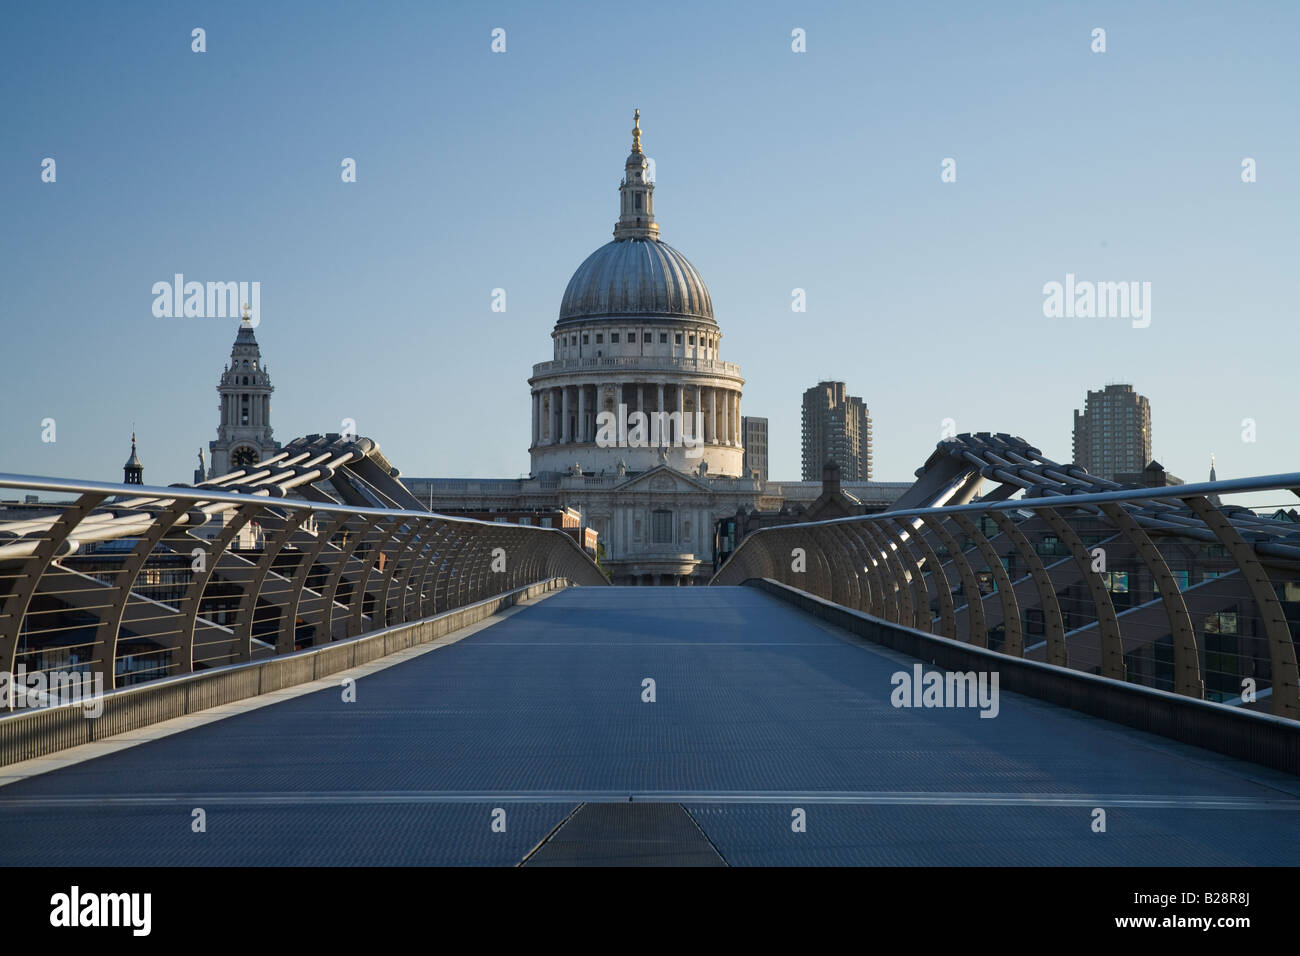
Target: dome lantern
[636,194]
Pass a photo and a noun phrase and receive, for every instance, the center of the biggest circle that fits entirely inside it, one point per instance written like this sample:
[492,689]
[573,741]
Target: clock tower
[244,431]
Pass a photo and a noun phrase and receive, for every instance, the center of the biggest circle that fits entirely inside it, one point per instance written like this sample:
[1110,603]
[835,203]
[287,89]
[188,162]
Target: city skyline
[673,435]
[377,295]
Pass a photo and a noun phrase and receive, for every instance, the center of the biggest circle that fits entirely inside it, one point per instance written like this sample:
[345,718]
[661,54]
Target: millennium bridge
[298,663]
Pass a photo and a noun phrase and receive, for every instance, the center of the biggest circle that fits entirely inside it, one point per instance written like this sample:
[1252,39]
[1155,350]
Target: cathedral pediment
[665,480]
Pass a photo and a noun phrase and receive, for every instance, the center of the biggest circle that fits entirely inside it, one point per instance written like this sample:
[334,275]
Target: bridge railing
[1166,587]
[131,583]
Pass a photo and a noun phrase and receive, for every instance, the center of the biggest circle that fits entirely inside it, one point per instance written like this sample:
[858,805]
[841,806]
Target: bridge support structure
[1163,587]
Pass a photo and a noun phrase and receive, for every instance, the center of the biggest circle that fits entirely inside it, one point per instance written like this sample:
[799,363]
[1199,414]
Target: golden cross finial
[246,314]
[636,131]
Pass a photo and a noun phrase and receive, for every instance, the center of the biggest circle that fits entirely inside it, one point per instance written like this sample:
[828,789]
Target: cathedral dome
[636,277]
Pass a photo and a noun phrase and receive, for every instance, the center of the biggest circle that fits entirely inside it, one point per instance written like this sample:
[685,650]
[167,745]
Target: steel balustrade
[1045,575]
[133,582]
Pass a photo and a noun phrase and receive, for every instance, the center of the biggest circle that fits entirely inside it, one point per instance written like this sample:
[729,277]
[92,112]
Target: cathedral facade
[636,378]
[636,419]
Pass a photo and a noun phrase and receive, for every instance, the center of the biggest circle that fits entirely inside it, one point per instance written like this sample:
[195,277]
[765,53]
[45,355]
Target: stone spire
[133,470]
[636,194]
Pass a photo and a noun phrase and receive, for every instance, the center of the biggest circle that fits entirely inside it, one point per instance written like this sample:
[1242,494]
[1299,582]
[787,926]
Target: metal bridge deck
[759,710]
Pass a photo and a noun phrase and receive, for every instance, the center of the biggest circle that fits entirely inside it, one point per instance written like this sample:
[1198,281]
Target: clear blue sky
[776,170]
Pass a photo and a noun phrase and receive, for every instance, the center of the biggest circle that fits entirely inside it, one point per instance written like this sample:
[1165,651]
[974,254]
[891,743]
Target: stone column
[659,408]
[681,411]
[570,414]
[564,414]
[726,426]
[582,414]
[698,415]
[712,421]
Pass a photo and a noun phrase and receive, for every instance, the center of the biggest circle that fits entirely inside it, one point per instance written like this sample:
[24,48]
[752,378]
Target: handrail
[272,574]
[1163,586]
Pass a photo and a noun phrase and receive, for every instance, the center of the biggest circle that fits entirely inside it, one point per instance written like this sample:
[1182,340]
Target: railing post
[1112,644]
[1281,647]
[415,558]
[1187,660]
[29,576]
[330,592]
[1053,625]
[357,610]
[976,630]
[248,600]
[288,639]
[110,624]
[942,586]
[1012,641]
[911,564]
[437,542]
[892,567]
[191,603]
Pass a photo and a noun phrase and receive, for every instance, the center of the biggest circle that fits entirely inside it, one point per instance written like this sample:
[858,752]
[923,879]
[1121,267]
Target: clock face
[243,458]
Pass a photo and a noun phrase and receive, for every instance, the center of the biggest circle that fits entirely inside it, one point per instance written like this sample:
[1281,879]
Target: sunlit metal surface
[320,542]
[1168,587]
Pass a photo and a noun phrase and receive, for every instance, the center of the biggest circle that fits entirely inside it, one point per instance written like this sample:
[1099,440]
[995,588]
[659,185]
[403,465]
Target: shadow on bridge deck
[758,711]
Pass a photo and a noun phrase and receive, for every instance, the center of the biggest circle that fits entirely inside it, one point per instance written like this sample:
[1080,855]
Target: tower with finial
[133,470]
[244,430]
[637,208]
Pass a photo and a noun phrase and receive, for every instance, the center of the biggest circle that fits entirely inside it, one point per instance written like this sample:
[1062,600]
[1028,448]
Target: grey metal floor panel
[753,698]
[627,834]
